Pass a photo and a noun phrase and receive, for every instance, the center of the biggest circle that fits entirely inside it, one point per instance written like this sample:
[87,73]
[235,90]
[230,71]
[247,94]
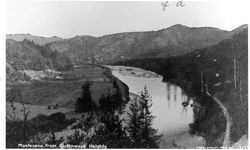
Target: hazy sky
[71,18]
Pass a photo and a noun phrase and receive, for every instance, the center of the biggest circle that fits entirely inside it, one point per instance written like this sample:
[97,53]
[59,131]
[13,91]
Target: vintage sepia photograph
[126,74]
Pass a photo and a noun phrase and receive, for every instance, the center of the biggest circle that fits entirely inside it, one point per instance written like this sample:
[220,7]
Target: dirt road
[226,142]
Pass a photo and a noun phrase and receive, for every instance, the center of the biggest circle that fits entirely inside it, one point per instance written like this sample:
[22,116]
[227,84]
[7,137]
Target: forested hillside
[28,55]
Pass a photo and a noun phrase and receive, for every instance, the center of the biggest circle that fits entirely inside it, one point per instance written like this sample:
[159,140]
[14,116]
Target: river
[172,119]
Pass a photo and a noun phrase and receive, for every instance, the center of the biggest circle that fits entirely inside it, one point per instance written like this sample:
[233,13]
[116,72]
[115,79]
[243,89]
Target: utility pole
[234,66]
[206,87]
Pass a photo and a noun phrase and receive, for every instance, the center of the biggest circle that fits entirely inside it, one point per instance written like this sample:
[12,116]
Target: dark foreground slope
[222,70]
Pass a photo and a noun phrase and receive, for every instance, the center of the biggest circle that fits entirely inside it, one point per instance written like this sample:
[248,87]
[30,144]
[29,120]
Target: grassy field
[33,109]
[64,92]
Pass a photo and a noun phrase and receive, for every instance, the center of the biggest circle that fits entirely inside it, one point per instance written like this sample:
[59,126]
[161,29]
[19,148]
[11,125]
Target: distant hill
[26,55]
[173,41]
[36,39]
[238,30]
[22,56]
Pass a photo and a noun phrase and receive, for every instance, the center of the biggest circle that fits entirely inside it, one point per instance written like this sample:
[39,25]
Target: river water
[172,119]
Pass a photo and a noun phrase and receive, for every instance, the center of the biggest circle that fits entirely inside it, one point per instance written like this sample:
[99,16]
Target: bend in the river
[172,119]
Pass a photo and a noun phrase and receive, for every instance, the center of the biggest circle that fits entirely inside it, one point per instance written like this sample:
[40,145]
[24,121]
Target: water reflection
[168,94]
[175,93]
[171,116]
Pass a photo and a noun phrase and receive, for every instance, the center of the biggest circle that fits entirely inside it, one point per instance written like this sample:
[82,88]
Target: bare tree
[11,114]
[238,71]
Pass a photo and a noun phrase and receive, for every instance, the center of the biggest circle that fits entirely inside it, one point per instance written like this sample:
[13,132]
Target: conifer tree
[140,129]
[84,103]
[150,139]
[134,124]
[111,132]
[113,101]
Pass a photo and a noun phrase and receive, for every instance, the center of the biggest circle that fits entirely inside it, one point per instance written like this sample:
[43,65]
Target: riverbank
[210,121]
[133,71]
[172,119]
[205,119]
